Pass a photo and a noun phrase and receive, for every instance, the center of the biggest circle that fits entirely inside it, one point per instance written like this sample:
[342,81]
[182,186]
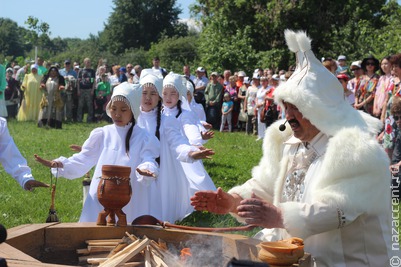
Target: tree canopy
[138,23]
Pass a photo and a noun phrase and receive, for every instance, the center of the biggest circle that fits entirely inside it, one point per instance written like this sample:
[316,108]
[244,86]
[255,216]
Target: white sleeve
[304,220]
[176,140]
[80,163]
[191,129]
[150,150]
[10,157]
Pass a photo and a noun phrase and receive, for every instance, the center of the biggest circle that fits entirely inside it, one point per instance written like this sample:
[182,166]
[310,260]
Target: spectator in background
[114,78]
[387,137]
[366,93]
[343,79]
[226,112]
[200,85]
[226,75]
[122,77]
[356,82]
[3,85]
[384,86]
[129,68]
[250,105]
[42,70]
[70,93]
[30,106]
[86,90]
[232,90]
[11,94]
[213,96]
[240,80]
[260,104]
[243,116]
[51,105]
[156,66]
[102,93]
[138,70]
[187,73]
[342,65]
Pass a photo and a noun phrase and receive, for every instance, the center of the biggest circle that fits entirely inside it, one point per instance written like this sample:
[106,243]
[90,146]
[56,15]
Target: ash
[205,252]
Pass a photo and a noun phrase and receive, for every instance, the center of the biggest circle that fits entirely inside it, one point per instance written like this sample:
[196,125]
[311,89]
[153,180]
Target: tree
[11,41]
[175,52]
[138,23]
[330,24]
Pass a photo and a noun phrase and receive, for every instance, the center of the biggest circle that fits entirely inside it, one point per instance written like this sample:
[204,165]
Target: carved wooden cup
[114,192]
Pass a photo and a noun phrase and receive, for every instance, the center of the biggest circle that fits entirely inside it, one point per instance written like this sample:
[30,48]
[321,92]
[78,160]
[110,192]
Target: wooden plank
[9,252]
[29,238]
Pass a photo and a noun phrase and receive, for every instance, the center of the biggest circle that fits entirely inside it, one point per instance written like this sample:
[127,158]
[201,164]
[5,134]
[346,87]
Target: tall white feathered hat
[317,93]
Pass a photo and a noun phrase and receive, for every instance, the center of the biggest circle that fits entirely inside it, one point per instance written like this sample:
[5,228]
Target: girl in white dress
[121,143]
[172,186]
[174,89]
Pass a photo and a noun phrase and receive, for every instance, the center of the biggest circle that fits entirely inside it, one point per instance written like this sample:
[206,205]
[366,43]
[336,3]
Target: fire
[185,254]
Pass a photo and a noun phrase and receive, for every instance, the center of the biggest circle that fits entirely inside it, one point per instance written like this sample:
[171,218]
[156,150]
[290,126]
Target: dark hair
[179,109]
[158,119]
[129,133]
[396,106]
[396,60]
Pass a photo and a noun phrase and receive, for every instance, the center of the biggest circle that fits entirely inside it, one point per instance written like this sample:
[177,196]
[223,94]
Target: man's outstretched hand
[218,201]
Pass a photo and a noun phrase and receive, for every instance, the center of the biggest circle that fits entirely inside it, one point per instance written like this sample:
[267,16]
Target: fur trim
[264,175]
[304,42]
[354,165]
[291,40]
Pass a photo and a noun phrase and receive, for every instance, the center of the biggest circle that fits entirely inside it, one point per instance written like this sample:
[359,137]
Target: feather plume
[304,41]
[291,39]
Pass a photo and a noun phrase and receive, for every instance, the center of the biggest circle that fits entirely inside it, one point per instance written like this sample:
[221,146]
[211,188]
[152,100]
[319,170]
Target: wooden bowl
[280,253]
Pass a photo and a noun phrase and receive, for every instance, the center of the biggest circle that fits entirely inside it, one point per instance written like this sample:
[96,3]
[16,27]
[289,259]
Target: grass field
[236,154]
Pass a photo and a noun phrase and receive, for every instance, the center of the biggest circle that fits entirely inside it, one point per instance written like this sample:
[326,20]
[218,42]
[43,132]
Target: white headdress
[128,93]
[317,93]
[178,82]
[154,77]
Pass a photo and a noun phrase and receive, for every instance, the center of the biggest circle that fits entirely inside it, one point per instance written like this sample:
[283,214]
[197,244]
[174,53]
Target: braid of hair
[129,133]
[179,109]
[159,116]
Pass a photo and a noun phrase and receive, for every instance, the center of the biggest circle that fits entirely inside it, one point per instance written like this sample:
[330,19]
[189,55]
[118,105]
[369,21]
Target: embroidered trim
[341,218]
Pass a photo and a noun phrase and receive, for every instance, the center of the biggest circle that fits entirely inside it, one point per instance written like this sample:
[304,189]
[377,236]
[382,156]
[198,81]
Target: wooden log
[96,260]
[147,257]
[82,251]
[100,248]
[126,254]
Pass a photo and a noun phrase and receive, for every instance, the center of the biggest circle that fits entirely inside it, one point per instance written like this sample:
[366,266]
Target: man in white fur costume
[324,179]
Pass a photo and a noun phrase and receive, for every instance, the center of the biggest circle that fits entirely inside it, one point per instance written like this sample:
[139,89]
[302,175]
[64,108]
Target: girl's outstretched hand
[207,135]
[145,172]
[48,163]
[203,153]
[76,148]
[31,184]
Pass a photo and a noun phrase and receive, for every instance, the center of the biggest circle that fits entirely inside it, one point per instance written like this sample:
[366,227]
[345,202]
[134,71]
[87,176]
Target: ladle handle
[210,229]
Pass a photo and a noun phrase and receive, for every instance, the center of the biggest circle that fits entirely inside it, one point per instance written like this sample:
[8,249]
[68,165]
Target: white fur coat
[351,183]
